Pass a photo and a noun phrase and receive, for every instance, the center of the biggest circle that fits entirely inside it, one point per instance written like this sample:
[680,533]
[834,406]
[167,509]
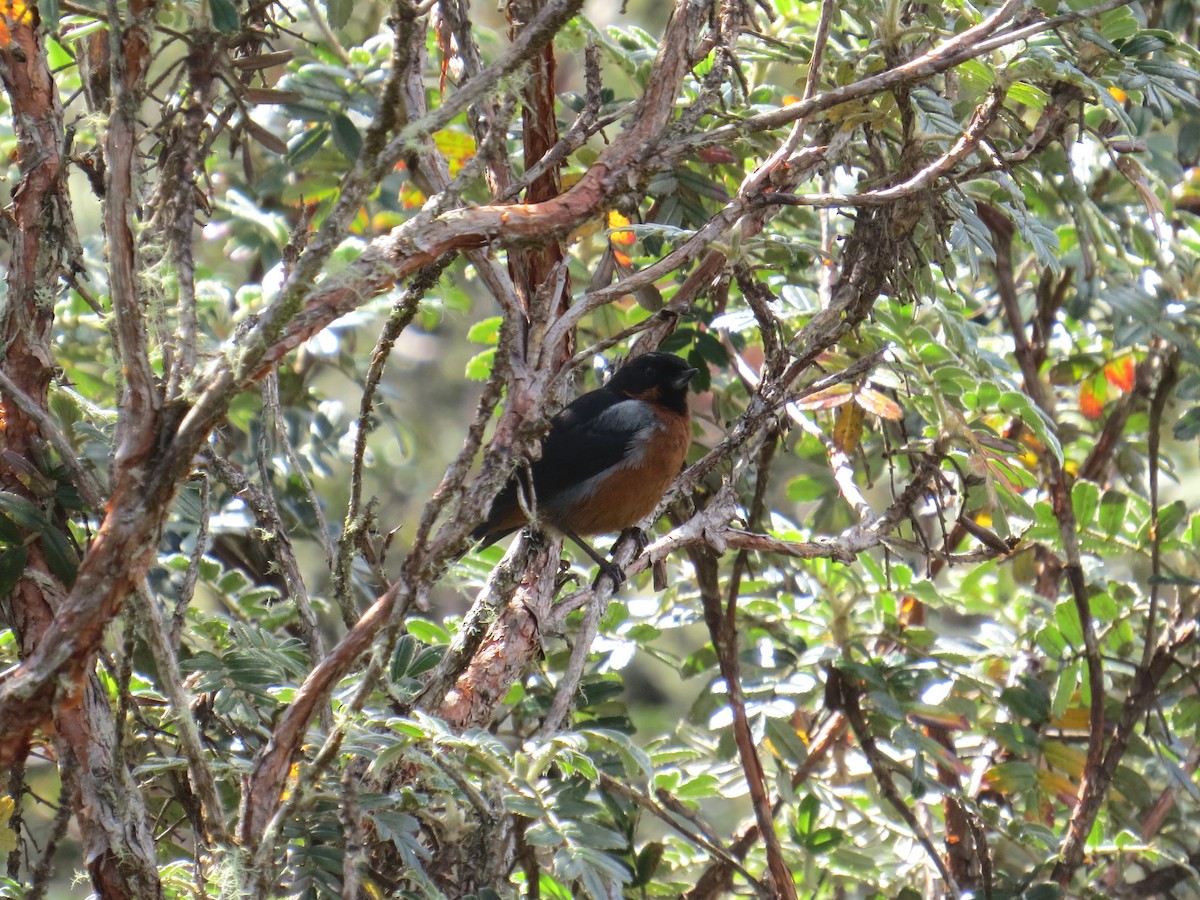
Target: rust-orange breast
[629,491]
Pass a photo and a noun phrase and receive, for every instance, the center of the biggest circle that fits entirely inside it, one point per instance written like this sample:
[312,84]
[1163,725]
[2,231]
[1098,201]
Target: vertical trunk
[118,851]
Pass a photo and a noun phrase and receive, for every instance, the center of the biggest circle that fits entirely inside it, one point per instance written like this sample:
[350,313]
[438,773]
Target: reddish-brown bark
[118,851]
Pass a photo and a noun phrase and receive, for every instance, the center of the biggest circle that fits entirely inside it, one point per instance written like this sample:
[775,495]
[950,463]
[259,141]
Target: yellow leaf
[410,197]
[293,776]
[16,11]
[1070,760]
[1074,718]
[8,837]
[456,146]
[1059,785]
[848,427]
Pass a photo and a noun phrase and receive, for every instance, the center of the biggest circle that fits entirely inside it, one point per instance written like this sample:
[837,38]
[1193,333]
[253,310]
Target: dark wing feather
[582,442]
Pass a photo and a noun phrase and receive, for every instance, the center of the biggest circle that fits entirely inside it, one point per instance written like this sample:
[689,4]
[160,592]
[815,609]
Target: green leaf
[427,632]
[1170,70]
[49,12]
[306,144]
[9,532]
[1169,518]
[1028,95]
[479,366]
[711,349]
[1188,426]
[806,488]
[405,648]
[806,814]
[225,16]
[1085,500]
[595,836]
[976,75]
[1067,617]
[1017,404]
[824,839]
[12,566]
[635,759]
[699,788]
[60,555]
[426,660]
[486,331]
[1146,42]
[1028,701]
[1043,892]
[1064,688]
[26,514]
[1118,24]
[1112,512]
[338,12]
[346,136]
[646,863]
[785,741]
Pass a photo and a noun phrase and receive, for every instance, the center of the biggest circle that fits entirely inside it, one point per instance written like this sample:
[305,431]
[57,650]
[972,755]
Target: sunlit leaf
[878,404]
[828,398]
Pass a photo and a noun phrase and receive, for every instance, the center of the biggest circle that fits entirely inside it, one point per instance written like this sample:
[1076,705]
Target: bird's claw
[640,539]
[615,573]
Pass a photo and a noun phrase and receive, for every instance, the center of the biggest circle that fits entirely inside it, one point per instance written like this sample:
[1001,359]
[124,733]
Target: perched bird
[607,460]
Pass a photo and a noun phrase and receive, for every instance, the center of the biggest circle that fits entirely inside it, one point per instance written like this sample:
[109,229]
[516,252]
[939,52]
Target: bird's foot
[612,571]
[640,539]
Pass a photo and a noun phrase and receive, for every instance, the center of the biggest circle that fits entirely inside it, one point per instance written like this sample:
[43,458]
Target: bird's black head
[656,377]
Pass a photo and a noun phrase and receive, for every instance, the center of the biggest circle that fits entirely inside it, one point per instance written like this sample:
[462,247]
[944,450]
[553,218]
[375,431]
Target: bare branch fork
[263,792]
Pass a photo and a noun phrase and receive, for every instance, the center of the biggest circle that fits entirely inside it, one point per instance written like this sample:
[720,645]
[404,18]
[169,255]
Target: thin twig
[187,590]
[968,141]
[403,311]
[716,880]
[274,414]
[266,513]
[723,632]
[1168,375]
[849,699]
[170,681]
[619,789]
[39,882]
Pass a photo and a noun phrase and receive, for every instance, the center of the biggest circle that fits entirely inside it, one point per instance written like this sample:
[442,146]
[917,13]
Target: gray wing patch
[633,417]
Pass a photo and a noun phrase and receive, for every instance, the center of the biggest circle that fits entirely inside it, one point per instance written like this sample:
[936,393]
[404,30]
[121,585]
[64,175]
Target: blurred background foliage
[972,673]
